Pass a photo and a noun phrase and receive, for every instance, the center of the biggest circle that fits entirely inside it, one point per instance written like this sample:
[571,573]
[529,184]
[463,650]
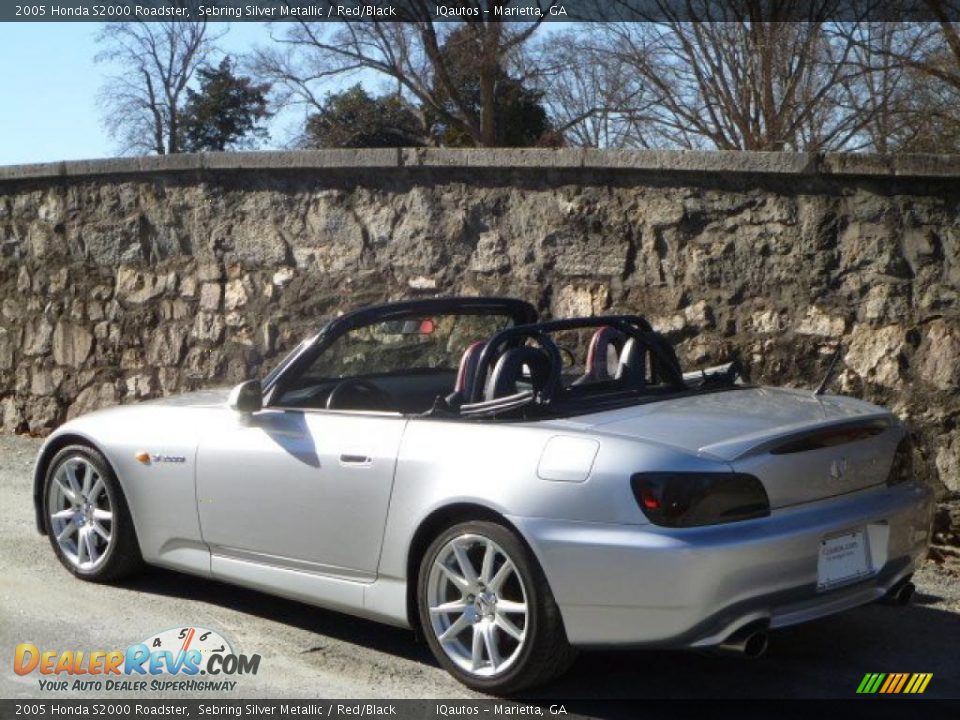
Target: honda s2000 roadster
[511,489]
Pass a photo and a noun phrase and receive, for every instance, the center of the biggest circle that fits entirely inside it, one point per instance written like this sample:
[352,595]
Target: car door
[299,489]
[303,484]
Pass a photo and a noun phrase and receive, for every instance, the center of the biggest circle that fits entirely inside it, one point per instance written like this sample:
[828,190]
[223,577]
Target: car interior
[410,367]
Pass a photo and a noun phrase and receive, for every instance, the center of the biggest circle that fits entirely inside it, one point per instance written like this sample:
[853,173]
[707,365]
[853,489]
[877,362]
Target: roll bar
[633,326]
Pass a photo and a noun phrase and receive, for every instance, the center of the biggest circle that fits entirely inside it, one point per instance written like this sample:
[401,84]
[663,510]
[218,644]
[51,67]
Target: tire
[487,611]
[82,497]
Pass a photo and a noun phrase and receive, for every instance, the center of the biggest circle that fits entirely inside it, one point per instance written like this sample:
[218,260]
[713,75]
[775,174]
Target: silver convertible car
[513,490]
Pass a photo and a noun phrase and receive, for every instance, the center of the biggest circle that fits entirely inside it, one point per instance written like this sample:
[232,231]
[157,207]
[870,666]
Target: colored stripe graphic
[894,683]
[903,679]
[921,682]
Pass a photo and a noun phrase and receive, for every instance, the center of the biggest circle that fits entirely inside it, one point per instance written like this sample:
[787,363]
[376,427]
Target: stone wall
[128,279]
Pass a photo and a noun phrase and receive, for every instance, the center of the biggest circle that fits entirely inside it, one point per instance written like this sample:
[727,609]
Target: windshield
[398,365]
[435,342]
[278,368]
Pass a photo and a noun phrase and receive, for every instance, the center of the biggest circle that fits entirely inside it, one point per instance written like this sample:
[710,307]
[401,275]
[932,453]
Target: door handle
[354,459]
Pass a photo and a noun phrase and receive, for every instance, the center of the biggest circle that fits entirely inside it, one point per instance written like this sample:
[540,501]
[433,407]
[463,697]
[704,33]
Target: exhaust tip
[900,595]
[747,643]
[756,644]
[904,594]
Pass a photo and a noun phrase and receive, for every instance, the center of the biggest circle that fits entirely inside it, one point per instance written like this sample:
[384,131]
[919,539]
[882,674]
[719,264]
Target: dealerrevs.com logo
[153,664]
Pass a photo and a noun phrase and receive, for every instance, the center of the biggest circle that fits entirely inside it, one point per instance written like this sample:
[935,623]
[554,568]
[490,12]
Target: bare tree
[157,60]
[412,52]
[592,96]
[930,116]
[924,60]
[931,48]
[743,75]
[879,88]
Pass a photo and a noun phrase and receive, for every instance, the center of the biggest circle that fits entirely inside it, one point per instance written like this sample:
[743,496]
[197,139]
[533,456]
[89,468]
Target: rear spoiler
[809,437]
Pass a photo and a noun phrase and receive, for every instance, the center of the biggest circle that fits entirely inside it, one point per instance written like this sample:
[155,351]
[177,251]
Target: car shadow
[326,623]
[826,658]
[289,431]
[823,659]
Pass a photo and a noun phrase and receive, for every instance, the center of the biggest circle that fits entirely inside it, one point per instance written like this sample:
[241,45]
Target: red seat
[468,369]
[598,355]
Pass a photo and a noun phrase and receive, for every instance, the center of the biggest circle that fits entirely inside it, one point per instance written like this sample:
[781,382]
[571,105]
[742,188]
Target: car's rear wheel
[487,611]
[86,516]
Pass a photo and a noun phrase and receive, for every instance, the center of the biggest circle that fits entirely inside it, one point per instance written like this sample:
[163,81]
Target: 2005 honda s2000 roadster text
[512,489]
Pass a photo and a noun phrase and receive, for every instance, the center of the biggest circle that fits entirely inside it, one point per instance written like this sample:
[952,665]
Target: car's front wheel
[87,519]
[487,611]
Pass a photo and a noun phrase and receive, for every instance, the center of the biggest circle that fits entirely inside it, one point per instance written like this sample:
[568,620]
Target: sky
[49,84]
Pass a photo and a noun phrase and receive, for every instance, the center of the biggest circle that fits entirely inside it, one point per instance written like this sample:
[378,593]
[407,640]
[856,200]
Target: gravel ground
[309,652]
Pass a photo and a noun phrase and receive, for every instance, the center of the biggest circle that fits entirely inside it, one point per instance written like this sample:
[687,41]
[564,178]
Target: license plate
[843,558]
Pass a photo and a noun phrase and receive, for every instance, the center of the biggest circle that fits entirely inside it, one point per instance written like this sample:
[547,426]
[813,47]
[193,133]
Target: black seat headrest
[633,362]
[509,370]
[664,364]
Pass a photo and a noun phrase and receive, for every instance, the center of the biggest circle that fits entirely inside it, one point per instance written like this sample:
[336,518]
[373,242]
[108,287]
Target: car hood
[726,425]
[212,398]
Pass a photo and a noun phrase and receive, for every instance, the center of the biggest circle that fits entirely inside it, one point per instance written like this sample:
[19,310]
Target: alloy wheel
[478,605]
[81,513]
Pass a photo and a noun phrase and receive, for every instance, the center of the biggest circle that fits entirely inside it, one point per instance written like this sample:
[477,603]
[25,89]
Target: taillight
[692,499]
[902,468]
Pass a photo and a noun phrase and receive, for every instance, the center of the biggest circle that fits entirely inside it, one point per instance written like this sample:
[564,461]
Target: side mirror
[247,397]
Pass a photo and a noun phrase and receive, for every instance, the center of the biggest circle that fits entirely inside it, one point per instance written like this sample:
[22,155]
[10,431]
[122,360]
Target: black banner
[477,10]
[56,709]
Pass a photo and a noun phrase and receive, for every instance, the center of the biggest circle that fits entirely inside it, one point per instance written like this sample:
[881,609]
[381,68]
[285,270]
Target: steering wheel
[359,394]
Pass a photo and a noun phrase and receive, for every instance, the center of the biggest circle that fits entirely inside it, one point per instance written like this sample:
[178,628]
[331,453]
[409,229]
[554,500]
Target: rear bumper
[643,585]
